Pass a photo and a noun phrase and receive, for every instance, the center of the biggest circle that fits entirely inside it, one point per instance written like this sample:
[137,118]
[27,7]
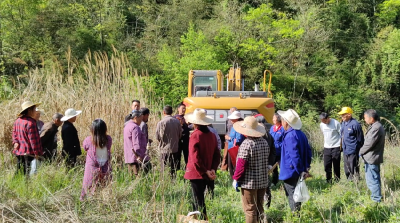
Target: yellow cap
[346,110]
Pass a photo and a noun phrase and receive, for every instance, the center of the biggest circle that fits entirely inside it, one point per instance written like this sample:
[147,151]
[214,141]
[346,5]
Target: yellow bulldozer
[206,90]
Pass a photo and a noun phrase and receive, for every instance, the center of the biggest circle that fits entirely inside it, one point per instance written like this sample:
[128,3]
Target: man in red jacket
[26,138]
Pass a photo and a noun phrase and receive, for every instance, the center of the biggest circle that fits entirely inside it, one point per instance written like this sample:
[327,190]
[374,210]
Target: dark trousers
[183,148]
[70,161]
[351,166]
[198,189]
[268,196]
[290,185]
[332,157]
[50,153]
[173,160]
[275,173]
[24,164]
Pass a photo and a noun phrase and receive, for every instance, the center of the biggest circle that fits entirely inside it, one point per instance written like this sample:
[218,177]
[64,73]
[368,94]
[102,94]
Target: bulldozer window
[202,83]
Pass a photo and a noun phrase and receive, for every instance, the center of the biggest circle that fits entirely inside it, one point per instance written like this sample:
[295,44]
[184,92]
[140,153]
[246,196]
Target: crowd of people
[262,149]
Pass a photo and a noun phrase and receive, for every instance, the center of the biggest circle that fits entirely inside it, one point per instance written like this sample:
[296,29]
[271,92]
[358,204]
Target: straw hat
[292,118]
[70,113]
[26,105]
[235,115]
[198,117]
[249,127]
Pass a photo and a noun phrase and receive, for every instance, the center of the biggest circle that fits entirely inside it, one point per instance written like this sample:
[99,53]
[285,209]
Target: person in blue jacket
[276,132]
[234,138]
[295,155]
[352,141]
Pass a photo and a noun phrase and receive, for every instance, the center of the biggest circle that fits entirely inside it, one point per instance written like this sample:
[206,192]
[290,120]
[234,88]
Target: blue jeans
[373,178]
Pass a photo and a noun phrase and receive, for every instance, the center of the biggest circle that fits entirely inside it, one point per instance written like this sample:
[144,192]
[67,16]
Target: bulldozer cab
[206,90]
[204,80]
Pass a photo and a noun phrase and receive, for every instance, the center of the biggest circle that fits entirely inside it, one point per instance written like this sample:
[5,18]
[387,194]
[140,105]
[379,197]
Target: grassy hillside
[103,87]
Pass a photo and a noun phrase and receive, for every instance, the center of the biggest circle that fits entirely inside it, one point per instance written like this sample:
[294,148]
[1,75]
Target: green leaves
[195,53]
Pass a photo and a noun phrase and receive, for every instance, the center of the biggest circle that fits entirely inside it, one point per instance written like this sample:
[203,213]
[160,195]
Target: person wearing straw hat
[234,139]
[295,155]
[26,138]
[352,140]
[251,172]
[204,159]
[71,145]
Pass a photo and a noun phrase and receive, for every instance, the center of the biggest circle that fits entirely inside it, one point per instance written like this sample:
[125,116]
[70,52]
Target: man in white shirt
[331,130]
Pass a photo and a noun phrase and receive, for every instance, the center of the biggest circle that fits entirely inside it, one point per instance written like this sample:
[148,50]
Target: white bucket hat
[40,110]
[70,113]
[198,117]
[250,127]
[26,105]
[235,115]
[292,118]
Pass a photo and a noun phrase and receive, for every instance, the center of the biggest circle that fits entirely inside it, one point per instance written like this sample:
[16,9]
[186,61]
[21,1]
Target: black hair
[278,117]
[373,114]
[136,101]
[323,115]
[26,111]
[181,104]
[99,133]
[168,110]
[145,111]
[203,128]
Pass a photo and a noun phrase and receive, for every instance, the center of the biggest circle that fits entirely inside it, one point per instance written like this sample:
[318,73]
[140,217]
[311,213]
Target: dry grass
[103,87]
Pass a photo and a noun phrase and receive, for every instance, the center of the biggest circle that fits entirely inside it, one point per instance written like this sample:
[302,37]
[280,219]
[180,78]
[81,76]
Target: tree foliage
[324,54]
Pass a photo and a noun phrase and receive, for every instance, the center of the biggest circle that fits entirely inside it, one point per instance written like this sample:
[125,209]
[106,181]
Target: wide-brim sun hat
[70,113]
[346,110]
[26,105]
[250,127]
[40,110]
[235,115]
[292,118]
[198,117]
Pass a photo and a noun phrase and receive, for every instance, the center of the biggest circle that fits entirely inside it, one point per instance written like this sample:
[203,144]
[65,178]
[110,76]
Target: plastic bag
[35,163]
[301,192]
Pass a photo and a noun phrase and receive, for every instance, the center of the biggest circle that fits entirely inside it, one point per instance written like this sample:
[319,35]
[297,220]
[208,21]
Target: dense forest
[323,54]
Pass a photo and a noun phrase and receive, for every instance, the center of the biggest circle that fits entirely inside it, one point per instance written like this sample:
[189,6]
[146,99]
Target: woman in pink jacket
[98,158]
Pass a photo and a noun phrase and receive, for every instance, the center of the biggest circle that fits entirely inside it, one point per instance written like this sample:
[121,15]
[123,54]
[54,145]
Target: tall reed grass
[101,86]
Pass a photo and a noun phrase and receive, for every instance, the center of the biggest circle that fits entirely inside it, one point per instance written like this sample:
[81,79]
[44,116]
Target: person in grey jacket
[372,153]
[168,134]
